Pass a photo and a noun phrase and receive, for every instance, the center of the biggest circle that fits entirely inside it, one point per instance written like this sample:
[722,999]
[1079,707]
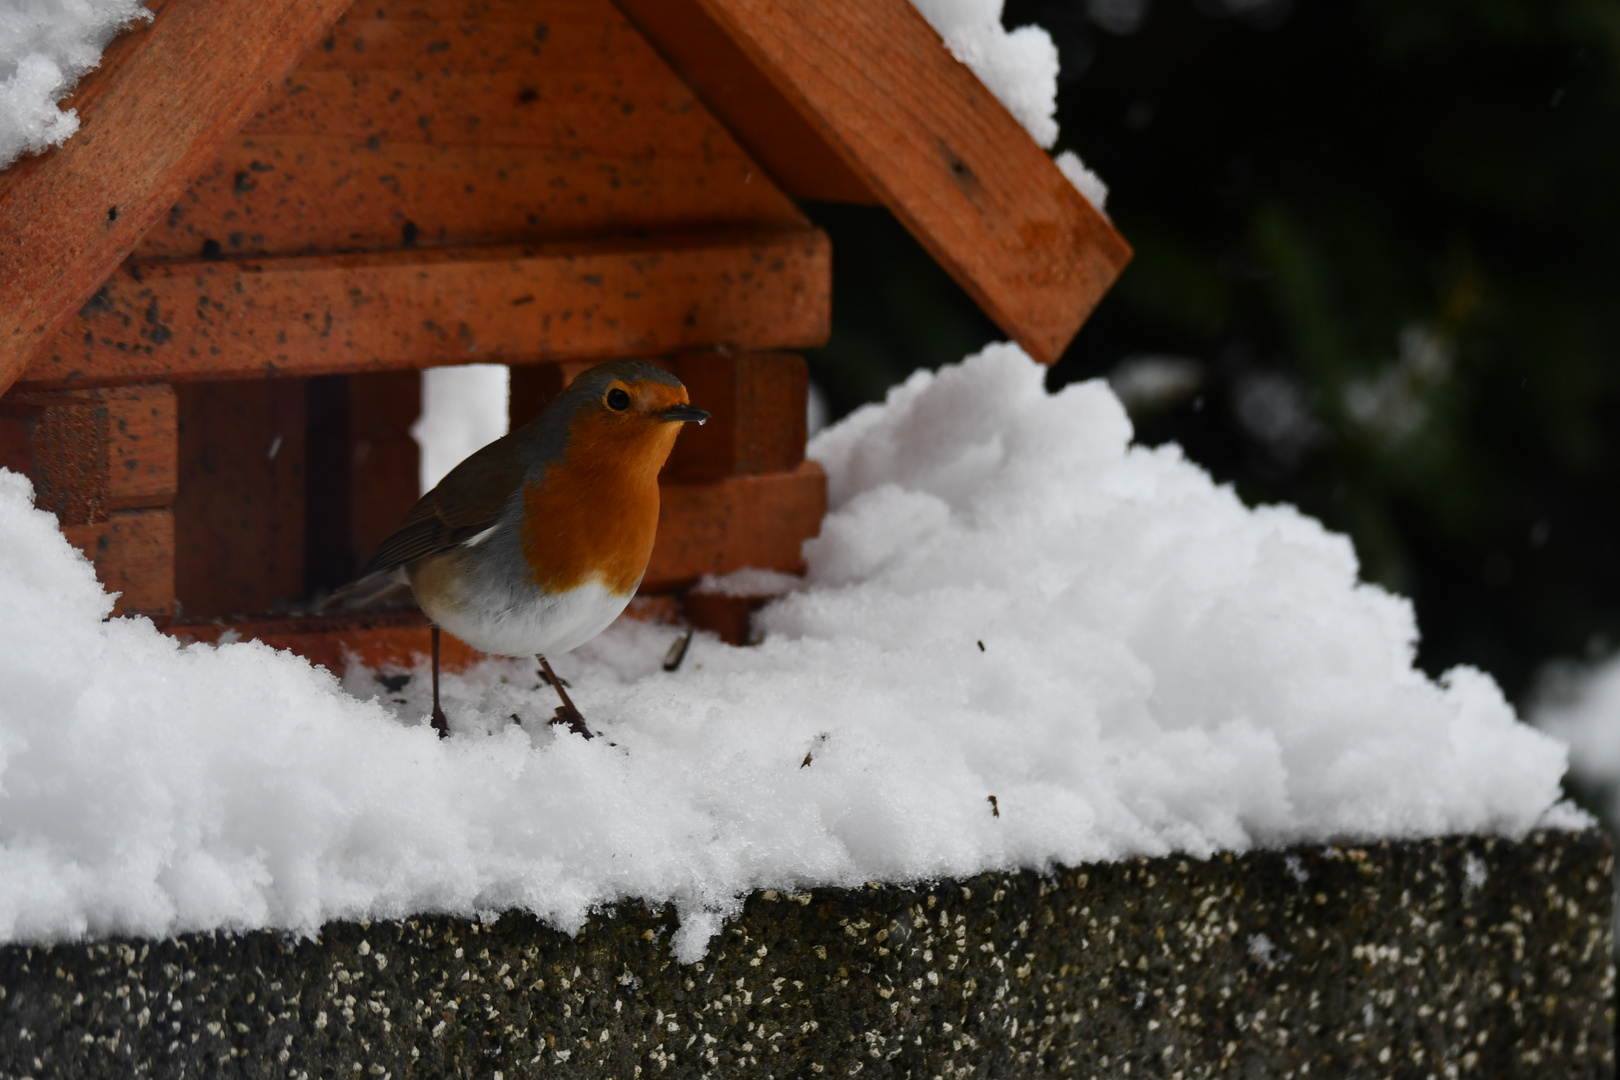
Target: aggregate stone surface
[1457,957]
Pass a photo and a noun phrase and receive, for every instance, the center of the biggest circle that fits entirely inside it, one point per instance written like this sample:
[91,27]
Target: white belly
[529,624]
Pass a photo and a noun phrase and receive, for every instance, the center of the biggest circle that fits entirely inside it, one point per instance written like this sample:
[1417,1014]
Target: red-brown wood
[877,84]
[302,194]
[730,617]
[726,525]
[133,553]
[104,461]
[474,130]
[775,133]
[239,513]
[758,420]
[384,463]
[90,452]
[163,102]
[225,319]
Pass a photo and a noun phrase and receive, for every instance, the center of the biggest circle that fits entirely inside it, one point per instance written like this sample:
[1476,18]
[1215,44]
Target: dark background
[1376,255]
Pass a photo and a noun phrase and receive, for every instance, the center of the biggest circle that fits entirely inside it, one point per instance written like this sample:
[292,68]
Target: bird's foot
[574,721]
[441,723]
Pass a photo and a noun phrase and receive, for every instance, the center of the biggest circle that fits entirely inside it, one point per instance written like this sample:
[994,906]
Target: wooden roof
[852,100]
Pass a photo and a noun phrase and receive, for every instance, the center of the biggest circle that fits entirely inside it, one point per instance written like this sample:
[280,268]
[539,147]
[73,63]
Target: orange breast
[595,514]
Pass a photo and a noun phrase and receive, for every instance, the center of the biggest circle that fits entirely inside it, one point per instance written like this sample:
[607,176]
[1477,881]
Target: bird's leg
[440,723]
[567,714]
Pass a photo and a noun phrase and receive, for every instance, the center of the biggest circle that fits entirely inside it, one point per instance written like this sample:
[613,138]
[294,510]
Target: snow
[1020,67]
[1085,181]
[463,409]
[45,46]
[1007,599]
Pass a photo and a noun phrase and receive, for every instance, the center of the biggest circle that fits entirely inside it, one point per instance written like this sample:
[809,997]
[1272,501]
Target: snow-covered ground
[1007,599]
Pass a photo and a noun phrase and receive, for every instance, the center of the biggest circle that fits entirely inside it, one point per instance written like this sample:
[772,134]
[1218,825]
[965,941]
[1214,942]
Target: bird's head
[627,411]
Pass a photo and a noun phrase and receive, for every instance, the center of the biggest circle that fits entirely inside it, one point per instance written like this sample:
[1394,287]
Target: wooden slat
[298,316]
[161,105]
[877,84]
[133,553]
[142,446]
[757,423]
[385,463]
[239,513]
[715,528]
[556,35]
[758,114]
[399,131]
[93,452]
[622,111]
[298,195]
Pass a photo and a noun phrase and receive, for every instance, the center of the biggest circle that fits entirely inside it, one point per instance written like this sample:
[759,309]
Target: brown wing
[465,503]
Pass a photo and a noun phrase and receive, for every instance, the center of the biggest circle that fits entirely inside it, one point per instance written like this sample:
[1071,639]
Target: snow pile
[1019,66]
[45,46]
[1581,705]
[463,409]
[1007,600]
[1084,180]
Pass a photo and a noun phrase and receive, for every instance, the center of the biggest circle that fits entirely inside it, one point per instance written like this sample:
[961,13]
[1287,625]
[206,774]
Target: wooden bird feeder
[215,299]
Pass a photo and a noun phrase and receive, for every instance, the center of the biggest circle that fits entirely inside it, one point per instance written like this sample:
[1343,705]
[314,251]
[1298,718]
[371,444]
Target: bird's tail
[382,587]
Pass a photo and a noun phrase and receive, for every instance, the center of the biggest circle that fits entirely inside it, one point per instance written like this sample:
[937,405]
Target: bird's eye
[618,400]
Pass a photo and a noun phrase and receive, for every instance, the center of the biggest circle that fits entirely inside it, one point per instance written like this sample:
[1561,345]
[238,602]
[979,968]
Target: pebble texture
[1450,958]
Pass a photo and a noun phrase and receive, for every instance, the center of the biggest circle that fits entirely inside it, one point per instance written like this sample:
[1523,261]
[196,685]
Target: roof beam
[163,102]
[874,82]
[182,320]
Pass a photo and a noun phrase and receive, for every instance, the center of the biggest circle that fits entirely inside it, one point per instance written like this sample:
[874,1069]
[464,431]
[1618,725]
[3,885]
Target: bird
[535,543]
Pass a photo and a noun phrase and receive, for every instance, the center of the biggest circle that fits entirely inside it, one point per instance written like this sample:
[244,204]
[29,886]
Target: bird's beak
[679,414]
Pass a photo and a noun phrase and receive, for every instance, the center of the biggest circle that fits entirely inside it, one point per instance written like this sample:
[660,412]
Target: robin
[535,543]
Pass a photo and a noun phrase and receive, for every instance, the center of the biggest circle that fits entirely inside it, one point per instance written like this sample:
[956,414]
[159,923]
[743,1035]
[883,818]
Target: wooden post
[240,508]
[105,462]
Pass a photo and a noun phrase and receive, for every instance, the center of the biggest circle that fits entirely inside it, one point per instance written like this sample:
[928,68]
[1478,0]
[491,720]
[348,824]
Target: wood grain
[68,217]
[718,527]
[399,130]
[92,452]
[384,462]
[225,319]
[239,512]
[757,423]
[133,553]
[743,96]
[305,194]
[877,84]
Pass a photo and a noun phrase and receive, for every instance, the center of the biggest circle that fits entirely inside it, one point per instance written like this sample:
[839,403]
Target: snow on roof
[1019,66]
[1007,600]
[45,46]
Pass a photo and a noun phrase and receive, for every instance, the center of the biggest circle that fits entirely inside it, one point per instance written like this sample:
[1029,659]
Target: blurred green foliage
[1385,236]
